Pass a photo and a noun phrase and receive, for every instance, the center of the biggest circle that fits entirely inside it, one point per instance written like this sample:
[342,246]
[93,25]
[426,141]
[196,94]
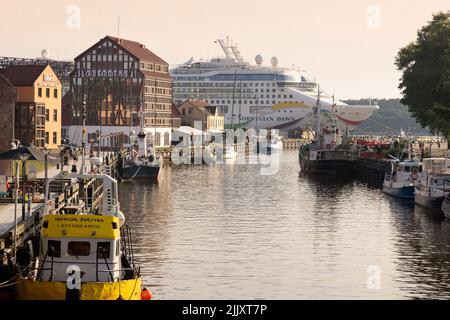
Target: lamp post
[23,157]
[46,191]
[16,196]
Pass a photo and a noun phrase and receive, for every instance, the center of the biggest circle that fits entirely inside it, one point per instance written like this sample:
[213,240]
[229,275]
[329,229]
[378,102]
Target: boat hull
[446,208]
[434,203]
[403,192]
[326,166]
[27,289]
[140,172]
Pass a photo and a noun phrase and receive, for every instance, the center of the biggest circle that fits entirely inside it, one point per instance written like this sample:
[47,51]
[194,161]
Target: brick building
[116,79]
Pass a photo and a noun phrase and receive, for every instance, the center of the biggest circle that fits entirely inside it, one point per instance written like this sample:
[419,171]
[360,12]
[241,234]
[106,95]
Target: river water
[229,232]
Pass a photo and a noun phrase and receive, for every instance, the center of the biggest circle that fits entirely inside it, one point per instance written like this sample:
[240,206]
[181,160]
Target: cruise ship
[258,96]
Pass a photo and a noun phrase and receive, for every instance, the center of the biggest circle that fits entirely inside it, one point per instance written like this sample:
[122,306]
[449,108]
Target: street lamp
[23,157]
[46,196]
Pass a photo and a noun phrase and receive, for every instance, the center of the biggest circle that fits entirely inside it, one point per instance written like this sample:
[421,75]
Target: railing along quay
[64,192]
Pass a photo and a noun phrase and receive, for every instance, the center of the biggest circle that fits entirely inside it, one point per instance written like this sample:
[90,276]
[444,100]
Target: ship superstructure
[258,96]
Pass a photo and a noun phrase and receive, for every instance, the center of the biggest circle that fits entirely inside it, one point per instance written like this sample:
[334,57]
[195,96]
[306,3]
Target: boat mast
[234,92]
[83,137]
[317,115]
[240,101]
[225,48]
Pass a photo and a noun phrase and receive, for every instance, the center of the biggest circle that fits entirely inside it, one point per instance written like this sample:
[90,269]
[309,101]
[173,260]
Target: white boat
[433,183]
[258,96]
[399,181]
[143,163]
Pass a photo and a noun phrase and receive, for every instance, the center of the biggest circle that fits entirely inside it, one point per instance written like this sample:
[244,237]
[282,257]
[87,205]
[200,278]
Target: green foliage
[425,82]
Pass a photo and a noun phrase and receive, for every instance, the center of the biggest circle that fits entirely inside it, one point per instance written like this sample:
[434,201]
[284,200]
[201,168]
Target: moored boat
[433,183]
[400,180]
[446,206]
[84,255]
[140,164]
[330,152]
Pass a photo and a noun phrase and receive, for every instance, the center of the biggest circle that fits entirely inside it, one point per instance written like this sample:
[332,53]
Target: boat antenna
[83,137]
[240,101]
[154,119]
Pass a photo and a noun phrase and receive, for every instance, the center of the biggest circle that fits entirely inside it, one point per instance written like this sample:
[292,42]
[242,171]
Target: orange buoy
[146,294]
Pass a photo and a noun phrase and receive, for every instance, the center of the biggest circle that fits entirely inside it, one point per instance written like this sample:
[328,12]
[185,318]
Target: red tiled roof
[175,112]
[24,75]
[138,49]
[199,104]
[152,74]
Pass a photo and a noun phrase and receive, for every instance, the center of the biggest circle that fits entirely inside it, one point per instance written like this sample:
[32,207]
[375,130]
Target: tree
[425,83]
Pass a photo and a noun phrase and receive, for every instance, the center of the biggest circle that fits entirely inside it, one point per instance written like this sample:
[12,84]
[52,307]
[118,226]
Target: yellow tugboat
[84,255]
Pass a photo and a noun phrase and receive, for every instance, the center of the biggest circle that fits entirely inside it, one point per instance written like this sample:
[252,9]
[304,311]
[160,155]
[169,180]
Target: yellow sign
[80,226]
[286,105]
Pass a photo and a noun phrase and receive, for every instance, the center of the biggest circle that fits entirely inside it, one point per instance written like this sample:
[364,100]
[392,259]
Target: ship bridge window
[79,248]
[54,248]
[103,250]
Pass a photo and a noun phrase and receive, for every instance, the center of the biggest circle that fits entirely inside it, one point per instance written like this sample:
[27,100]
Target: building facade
[199,110]
[118,83]
[37,111]
[8,96]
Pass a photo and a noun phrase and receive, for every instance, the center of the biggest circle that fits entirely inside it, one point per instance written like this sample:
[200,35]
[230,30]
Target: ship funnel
[259,60]
[274,62]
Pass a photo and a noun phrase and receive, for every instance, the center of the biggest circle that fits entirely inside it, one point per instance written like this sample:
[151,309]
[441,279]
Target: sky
[348,46]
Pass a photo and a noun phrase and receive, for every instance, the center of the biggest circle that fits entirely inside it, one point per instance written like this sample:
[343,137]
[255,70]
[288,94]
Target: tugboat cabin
[90,242]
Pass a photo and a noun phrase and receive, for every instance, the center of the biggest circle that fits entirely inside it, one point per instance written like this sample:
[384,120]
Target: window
[54,248]
[190,110]
[79,248]
[55,115]
[39,92]
[103,250]
[55,136]
[47,92]
[47,139]
[47,115]
[55,93]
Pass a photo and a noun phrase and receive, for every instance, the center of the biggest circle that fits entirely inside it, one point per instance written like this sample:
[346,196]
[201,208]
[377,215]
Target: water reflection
[227,232]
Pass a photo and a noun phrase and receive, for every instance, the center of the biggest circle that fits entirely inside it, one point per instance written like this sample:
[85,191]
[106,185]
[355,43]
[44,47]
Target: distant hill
[391,118]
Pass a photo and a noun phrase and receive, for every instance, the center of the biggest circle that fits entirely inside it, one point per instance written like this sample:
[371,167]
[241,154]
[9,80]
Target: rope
[382,125]
[1,284]
[135,174]
[135,283]
[8,285]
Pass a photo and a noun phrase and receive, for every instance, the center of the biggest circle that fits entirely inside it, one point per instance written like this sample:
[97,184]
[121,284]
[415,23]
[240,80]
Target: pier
[63,192]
